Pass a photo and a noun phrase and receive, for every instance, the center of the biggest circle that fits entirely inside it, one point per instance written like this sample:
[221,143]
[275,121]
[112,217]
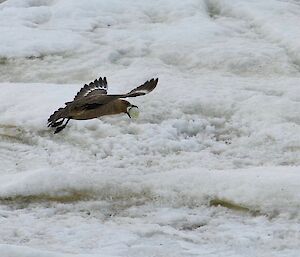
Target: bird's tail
[57,115]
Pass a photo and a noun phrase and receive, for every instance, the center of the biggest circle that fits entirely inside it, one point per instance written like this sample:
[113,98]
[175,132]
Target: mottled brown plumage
[92,101]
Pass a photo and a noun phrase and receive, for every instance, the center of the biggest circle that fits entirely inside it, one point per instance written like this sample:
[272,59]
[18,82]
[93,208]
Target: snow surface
[222,124]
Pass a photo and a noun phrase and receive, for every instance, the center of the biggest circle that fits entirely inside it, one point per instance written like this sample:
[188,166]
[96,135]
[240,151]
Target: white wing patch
[144,89]
[99,86]
[91,90]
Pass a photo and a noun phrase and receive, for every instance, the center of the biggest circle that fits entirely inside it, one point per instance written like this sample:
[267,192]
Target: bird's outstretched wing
[93,98]
[144,89]
[97,87]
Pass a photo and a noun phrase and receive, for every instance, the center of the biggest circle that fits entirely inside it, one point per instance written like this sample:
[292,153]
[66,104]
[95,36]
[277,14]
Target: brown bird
[92,101]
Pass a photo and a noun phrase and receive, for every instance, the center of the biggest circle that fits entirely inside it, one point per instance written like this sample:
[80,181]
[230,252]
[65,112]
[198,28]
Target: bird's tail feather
[59,114]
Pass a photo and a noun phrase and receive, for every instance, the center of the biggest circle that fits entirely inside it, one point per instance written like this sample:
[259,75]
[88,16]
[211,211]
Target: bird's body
[92,102]
[78,110]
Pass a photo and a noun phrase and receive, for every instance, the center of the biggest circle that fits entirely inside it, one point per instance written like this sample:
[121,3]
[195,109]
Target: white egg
[134,112]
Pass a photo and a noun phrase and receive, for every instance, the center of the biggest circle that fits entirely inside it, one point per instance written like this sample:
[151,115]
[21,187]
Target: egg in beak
[133,112]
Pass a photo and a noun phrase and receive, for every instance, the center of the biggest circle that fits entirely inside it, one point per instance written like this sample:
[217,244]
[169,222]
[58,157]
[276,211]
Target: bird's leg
[55,124]
[58,129]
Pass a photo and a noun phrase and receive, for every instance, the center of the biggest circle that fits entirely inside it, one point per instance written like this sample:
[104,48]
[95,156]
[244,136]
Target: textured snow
[222,124]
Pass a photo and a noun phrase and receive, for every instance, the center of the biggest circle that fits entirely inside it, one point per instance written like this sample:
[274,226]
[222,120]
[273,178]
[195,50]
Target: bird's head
[131,110]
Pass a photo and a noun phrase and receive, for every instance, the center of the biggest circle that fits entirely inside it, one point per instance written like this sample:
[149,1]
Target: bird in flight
[92,101]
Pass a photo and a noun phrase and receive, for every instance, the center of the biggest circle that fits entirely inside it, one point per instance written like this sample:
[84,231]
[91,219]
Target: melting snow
[222,126]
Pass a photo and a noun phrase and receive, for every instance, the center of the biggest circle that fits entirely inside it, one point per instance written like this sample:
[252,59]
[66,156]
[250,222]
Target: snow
[223,124]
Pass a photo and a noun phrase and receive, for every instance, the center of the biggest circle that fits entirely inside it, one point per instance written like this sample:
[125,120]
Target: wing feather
[97,87]
[89,96]
[144,89]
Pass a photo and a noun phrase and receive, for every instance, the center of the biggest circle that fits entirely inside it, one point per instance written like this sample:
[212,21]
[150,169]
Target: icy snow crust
[222,124]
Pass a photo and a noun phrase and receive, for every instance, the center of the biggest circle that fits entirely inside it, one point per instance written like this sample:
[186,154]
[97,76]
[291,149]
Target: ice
[221,128]
[15,251]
